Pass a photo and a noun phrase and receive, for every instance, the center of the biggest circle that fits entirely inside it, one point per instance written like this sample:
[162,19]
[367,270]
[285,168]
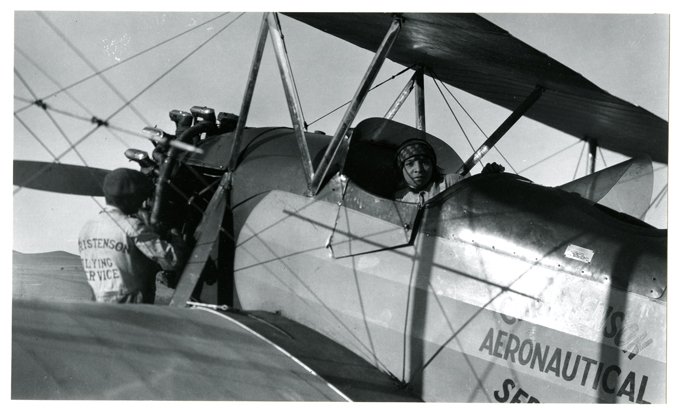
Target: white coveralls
[120,255]
[434,188]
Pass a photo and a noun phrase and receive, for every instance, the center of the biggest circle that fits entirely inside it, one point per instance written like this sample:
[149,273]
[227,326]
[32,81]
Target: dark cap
[126,184]
[414,147]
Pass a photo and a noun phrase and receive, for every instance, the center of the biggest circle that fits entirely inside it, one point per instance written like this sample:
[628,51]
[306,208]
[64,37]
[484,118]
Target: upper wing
[470,53]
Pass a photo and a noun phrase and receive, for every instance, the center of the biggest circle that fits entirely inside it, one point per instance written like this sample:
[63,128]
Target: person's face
[417,171]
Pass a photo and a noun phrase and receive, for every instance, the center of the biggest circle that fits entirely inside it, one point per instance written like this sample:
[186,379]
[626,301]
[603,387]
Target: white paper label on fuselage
[579,253]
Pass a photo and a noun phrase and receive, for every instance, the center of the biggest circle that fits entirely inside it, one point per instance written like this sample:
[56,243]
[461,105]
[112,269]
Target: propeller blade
[59,178]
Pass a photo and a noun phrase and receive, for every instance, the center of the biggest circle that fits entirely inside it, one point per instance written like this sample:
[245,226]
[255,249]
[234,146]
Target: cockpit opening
[371,160]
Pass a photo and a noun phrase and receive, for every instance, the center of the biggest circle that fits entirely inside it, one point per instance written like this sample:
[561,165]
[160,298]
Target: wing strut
[591,155]
[416,83]
[498,133]
[354,106]
[291,93]
[207,234]
[270,26]
[400,100]
[248,95]
[420,98]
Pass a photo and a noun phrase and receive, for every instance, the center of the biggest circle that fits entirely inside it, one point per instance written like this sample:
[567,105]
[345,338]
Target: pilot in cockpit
[423,178]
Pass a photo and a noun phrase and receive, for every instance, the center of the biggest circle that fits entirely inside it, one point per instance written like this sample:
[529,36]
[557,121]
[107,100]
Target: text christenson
[566,365]
[102,243]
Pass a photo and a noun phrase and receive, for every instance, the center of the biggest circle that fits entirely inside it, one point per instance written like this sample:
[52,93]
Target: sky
[626,55]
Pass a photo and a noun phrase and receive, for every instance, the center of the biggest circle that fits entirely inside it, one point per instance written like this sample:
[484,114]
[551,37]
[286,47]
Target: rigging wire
[662,195]
[92,119]
[30,131]
[91,66]
[199,47]
[56,159]
[601,154]
[661,168]
[55,123]
[61,131]
[49,77]
[67,92]
[454,114]
[105,122]
[369,90]
[658,198]
[50,116]
[473,120]
[41,104]
[22,99]
[461,328]
[580,158]
[550,156]
[63,89]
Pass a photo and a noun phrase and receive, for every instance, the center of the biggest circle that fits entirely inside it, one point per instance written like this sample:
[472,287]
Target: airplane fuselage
[497,290]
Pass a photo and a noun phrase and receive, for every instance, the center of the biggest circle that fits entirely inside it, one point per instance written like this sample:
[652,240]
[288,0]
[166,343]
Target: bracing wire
[66,91]
[63,89]
[580,158]
[601,154]
[656,201]
[105,122]
[465,135]
[550,156]
[56,125]
[370,90]
[92,67]
[50,116]
[51,78]
[59,128]
[473,120]
[660,169]
[162,76]
[662,195]
[36,137]
[22,99]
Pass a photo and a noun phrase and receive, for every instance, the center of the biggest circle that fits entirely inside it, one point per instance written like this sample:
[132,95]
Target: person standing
[121,253]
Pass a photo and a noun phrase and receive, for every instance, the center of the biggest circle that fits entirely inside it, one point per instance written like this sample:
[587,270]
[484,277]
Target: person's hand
[179,244]
[491,168]
[144,215]
[175,237]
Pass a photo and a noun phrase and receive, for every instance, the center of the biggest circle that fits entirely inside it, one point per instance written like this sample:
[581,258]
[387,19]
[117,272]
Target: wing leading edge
[75,350]
[475,55]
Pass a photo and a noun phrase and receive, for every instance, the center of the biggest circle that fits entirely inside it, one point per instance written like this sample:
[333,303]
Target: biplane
[307,280]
